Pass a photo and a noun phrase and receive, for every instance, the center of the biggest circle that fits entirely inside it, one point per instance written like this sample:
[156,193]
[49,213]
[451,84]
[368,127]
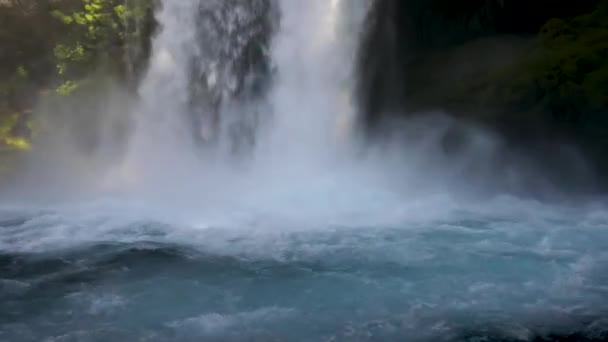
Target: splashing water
[303,241]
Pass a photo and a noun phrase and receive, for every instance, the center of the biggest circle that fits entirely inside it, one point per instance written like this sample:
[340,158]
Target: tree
[101,32]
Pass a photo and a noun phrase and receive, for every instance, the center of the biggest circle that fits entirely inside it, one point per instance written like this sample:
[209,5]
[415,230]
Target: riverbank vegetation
[55,49]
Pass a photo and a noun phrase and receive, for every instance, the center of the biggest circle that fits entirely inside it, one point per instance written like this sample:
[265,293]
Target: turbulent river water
[305,240]
[373,270]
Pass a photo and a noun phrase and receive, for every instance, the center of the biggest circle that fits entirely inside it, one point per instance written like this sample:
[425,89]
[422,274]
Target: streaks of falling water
[313,52]
[159,142]
[196,65]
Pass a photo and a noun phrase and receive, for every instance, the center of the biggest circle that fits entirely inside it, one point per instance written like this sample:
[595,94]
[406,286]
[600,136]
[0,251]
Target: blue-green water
[503,270]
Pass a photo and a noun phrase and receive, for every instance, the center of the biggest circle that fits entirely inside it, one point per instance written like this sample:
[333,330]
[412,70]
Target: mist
[308,126]
[274,174]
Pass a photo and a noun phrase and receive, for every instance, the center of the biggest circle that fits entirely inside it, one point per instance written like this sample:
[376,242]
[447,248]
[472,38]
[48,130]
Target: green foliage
[571,64]
[98,32]
[53,52]
[563,73]
[67,88]
[10,139]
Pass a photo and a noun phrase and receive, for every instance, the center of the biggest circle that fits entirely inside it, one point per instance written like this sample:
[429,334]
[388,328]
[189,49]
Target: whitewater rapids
[310,239]
[506,269]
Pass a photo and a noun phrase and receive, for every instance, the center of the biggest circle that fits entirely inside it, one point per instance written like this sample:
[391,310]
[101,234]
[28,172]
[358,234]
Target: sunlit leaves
[96,28]
[8,123]
[67,88]
[22,72]
[121,11]
[66,19]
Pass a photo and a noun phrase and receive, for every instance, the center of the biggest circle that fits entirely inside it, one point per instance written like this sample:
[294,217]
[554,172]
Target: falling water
[198,99]
[311,54]
[164,91]
[312,96]
[299,244]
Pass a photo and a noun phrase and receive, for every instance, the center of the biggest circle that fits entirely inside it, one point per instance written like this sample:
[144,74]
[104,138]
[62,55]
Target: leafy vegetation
[52,49]
[561,81]
[101,32]
[562,73]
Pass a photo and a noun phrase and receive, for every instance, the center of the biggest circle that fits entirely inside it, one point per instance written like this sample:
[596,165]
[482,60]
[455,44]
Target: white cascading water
[312,92]
[161,136]
[297,245]
[308,119]
[312,53]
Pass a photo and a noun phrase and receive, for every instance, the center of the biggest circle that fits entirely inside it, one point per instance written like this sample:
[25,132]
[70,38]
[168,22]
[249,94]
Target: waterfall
[273,76]
[200,62]
[314,54]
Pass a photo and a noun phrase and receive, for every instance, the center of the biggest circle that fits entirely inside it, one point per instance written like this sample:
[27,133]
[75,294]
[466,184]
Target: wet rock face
[381,58]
